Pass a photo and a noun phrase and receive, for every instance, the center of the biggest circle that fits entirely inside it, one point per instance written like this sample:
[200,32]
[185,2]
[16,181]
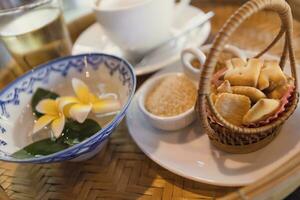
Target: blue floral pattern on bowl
[17,95]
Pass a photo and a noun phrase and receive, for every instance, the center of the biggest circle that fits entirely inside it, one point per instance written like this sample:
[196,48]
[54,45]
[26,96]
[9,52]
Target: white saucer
[189,153]
[94,40]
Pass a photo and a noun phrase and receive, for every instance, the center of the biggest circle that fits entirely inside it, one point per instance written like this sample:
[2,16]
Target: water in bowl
[43,142]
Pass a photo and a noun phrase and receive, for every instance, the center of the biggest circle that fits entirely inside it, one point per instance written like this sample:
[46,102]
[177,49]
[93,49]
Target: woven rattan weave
[225,135]
[122,171]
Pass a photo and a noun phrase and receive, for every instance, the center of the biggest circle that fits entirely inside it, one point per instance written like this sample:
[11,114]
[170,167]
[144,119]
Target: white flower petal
[65,101]
[80,112]
[81,90]
[42,122]
[47,106]
[106,106]
[57,126]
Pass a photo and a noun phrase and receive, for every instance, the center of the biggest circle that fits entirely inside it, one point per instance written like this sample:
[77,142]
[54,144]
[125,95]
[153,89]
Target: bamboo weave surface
[121,170]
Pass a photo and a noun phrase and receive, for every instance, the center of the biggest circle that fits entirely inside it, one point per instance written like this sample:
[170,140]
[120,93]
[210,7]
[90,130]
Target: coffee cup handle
[188,69]
[195,52]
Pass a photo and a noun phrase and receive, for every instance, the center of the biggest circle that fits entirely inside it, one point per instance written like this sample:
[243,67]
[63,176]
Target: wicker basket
[224,135]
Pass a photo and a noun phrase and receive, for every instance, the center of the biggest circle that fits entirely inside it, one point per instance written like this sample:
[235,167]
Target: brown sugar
[171,96]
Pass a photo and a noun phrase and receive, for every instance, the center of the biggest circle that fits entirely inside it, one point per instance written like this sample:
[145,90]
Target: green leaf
[39,95]
[42,147]
[22,154]
[75,132]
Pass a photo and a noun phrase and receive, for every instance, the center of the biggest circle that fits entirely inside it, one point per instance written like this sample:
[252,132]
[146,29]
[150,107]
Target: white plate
[189,153]
[94,40]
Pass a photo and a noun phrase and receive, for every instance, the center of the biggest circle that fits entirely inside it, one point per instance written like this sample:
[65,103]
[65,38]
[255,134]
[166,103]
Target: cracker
[253,93]
[263,109]
[232,107]
[239,74]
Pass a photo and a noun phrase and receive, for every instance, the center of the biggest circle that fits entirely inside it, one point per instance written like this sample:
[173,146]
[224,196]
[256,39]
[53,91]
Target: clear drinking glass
[33,31]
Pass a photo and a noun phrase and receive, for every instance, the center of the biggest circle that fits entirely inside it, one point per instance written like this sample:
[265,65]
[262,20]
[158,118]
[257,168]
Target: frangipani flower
[53,113]
[80,106]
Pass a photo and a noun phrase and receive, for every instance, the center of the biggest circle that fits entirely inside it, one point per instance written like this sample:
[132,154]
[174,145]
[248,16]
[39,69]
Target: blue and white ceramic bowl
[16,118]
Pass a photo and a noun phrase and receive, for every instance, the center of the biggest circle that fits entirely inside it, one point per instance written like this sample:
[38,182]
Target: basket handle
[244,12]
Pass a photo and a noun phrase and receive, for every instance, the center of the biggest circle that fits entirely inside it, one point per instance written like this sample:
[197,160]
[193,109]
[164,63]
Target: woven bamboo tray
[122,171]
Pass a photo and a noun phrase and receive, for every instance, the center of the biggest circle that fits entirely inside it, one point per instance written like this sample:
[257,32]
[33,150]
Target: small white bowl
[187,55]
[164,123]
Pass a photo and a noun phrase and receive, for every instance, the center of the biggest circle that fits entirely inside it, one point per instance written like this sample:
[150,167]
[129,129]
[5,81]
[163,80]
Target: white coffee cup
[137,26]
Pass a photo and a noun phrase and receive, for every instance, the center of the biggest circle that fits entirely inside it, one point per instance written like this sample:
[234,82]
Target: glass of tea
[33,31]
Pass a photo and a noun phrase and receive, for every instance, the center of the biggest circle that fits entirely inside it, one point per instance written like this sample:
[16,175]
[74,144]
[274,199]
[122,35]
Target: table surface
[121,170]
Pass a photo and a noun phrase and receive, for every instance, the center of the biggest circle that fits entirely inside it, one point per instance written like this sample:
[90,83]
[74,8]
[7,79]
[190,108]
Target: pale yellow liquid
[36,37]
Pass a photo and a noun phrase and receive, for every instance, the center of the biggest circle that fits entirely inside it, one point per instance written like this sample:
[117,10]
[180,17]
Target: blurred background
[74,9]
